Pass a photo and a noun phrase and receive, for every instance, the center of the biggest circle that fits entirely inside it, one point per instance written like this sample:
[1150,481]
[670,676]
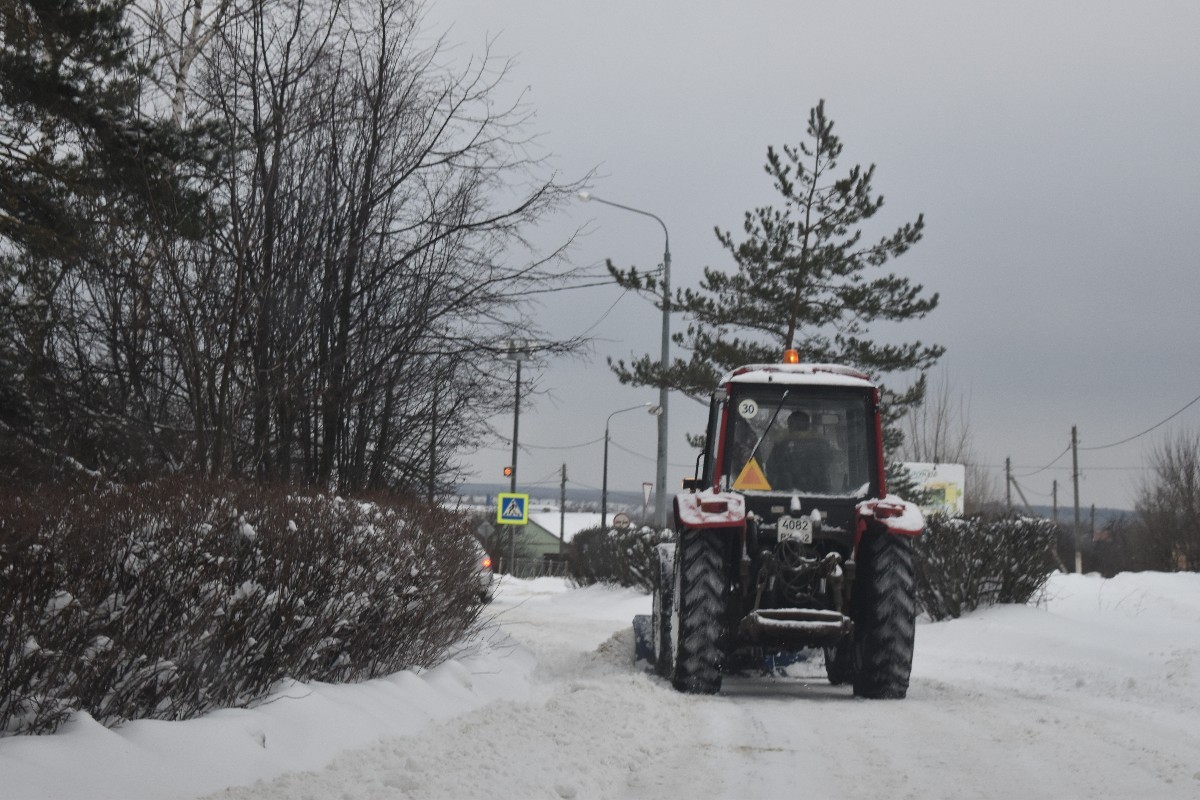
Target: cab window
[814,441]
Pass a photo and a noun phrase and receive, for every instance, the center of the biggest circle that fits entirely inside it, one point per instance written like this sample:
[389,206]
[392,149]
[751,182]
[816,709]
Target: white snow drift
[1093,693]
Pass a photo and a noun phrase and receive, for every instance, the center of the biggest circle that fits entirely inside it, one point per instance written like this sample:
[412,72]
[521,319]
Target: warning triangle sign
[752,478]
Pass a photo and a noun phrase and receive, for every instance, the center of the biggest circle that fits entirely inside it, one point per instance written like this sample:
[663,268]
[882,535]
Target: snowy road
[1095,695]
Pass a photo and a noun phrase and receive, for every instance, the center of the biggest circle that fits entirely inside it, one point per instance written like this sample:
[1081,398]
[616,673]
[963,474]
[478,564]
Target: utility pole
[518,352]
[512,481]
[1092,535]
[562,511]
[1054,492]
[1075,478]
[1008,484]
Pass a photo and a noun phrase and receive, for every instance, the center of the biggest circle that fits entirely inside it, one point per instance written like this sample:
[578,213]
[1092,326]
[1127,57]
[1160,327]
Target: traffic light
[508,472]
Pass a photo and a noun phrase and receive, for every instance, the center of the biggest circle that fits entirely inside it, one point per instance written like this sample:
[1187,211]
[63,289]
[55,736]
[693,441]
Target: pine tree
[804,280]
[73,136]
[93,187]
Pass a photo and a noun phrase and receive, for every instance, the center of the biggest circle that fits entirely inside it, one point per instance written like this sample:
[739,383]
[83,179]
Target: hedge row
[961,564]
[965,563]
[168,600]
[623,557]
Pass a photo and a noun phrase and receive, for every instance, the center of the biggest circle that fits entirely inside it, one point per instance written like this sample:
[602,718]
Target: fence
[527,568]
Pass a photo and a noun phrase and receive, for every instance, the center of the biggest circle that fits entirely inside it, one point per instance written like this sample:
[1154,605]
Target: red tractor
[787,538]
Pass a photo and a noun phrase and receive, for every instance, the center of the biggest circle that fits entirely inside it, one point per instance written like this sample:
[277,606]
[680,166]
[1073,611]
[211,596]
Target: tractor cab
[794,439]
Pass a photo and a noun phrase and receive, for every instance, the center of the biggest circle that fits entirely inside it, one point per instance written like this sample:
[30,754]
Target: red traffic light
[508,472]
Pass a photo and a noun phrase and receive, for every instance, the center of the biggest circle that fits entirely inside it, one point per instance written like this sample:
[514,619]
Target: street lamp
[660,475]
[653,409]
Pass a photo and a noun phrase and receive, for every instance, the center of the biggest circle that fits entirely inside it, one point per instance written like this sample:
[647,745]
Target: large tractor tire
[885,616]
[701,591]
[664,600]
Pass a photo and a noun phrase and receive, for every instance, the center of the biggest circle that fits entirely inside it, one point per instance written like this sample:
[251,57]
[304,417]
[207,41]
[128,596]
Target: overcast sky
[1054,148]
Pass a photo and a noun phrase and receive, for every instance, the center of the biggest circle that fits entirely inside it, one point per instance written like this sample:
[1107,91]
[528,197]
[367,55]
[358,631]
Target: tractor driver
[801,460]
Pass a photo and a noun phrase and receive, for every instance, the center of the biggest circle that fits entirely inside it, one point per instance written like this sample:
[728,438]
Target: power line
[603,316]
[636,454]
[1194,400]
[1034,492]
[523,445]
[1048,466]
[1057,469]
[545,480]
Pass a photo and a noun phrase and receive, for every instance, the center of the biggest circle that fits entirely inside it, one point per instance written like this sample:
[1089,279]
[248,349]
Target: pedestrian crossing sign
[512,509]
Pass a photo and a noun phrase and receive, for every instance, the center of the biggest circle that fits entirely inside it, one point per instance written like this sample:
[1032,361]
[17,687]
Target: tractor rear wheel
[885,615]
[701,590]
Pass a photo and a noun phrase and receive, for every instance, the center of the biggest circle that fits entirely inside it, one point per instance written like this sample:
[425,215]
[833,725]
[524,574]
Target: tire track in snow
[1013,702]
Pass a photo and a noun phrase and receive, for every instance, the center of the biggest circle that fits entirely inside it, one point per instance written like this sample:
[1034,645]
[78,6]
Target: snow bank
[1130,644]
[300,727]
[1094,692]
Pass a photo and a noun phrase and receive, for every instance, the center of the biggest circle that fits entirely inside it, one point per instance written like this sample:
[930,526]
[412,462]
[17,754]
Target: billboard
[944,483]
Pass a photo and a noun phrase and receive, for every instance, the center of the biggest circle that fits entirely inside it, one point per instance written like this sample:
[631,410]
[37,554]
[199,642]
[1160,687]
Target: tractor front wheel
[701,591]
[664,599]
[839,662]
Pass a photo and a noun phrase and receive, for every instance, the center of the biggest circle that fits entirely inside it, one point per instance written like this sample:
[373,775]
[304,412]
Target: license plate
[796,528]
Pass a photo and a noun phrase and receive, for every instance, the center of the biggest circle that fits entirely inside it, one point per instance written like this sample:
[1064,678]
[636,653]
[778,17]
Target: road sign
[621,520]
[512,509]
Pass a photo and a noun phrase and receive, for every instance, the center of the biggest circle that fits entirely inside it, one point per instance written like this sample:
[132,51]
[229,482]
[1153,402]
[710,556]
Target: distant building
[546,524]
[533,543]
[945,484]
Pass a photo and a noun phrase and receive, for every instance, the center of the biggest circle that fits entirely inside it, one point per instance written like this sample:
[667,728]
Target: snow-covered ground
[1095,693]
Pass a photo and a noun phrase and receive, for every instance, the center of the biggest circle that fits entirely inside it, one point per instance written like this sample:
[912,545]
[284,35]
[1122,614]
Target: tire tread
[885,618]
[701,590]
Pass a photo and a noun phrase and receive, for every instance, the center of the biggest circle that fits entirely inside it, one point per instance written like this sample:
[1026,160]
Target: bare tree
[176,35]
[938,431]
[1168,504]
[368,242]
[105,183]
[363,262]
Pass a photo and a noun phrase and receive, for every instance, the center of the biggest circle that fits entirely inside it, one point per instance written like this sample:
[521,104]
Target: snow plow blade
[795,626]
[643,638]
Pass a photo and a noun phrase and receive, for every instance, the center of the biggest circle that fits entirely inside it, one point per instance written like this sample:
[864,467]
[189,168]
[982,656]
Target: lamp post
[660,475]
[653,409]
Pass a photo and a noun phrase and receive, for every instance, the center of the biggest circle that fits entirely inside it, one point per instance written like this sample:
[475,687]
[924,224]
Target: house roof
[572,523]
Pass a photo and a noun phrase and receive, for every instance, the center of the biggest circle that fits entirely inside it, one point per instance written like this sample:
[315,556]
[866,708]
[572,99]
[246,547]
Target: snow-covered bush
[623,557]
[167,600]
[962,564]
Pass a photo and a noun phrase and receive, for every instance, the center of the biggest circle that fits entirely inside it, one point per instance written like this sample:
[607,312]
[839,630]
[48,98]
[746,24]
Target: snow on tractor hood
[794,374]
